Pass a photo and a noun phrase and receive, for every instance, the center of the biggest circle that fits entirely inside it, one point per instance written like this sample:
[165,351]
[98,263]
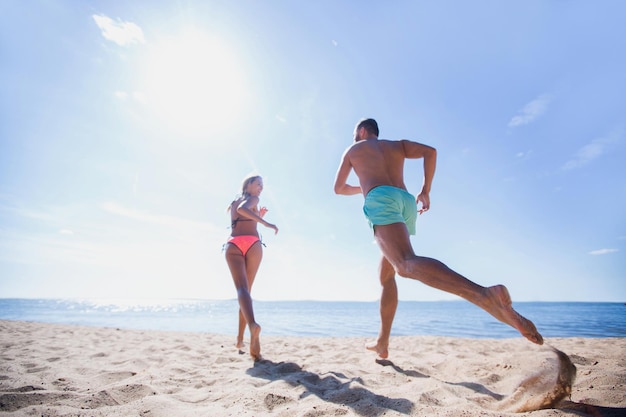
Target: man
[392,212]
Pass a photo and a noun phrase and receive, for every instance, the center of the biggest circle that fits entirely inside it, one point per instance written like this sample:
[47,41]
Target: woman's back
[241,225]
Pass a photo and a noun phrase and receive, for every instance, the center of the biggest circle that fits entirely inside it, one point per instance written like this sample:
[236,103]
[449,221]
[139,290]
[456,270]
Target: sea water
[322,318]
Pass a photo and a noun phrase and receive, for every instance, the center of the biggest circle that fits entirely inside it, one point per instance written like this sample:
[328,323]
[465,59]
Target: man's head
[365,128]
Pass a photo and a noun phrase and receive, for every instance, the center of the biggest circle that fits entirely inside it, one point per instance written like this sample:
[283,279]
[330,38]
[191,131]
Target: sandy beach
[63,370]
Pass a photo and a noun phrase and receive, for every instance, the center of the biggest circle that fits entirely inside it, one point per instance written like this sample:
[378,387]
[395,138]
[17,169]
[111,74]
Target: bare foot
[239,345]
[381,348]
[499,305]
[255,343]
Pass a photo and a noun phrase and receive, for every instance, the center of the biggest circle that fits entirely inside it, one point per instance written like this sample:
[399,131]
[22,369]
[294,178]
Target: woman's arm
[248,209]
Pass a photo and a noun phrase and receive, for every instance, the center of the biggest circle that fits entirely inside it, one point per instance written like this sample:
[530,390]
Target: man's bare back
[381,162]
[378,162]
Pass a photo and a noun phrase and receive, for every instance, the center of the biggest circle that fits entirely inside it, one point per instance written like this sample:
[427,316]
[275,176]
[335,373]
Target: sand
[62,370]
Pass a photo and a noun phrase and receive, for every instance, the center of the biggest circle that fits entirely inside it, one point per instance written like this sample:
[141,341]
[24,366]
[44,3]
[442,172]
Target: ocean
[322,318]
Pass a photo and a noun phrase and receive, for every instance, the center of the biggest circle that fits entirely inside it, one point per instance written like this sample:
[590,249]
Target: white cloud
[531,111]
[603,251]
[593,150]
[122,33]
[136,95]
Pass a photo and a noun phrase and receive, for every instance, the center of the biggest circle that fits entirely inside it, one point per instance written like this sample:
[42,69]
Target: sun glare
[194,84]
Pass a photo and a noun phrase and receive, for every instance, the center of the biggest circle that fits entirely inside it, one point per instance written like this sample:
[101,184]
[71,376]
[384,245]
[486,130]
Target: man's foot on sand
[239,344]
[500,306]
[255,343]
[381,349]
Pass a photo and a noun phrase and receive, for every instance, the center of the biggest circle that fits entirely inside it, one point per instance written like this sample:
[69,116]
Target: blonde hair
[246,183]
[244,186]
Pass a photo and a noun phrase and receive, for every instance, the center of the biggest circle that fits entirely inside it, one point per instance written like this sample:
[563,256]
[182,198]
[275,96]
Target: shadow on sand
[582,409]
[332,387]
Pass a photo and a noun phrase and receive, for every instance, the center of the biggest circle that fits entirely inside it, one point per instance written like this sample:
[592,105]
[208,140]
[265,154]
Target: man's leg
[388,305]
[393,240]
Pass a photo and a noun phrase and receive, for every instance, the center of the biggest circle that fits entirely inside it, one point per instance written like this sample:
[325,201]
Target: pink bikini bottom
[244,242]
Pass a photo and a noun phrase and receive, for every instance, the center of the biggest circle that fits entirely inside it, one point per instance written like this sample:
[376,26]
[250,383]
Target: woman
[243,255]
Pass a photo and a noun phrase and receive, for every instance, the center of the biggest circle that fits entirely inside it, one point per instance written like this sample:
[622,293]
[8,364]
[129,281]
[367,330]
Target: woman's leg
[253,261]
[237,265]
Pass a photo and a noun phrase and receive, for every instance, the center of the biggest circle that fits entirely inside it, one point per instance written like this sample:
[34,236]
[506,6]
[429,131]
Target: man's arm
[418,150]
[342,176]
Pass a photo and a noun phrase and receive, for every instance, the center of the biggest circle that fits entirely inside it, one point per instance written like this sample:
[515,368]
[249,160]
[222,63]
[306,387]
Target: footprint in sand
[111,377]
[131,392]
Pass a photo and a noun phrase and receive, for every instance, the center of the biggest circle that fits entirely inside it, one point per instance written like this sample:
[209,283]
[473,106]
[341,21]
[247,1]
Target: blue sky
[126,129]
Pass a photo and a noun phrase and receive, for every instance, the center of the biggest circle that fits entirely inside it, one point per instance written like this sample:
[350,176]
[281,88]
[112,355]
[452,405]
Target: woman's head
[252,186]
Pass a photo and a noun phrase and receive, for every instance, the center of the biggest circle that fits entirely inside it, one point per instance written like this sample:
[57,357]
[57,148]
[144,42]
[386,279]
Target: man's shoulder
[390,141]
[393,144]
[386,143]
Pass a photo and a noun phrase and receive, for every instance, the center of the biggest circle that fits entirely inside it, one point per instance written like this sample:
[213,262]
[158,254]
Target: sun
[194,84]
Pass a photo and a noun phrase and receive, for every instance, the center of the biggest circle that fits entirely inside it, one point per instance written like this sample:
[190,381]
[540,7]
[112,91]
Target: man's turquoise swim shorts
[386,205]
